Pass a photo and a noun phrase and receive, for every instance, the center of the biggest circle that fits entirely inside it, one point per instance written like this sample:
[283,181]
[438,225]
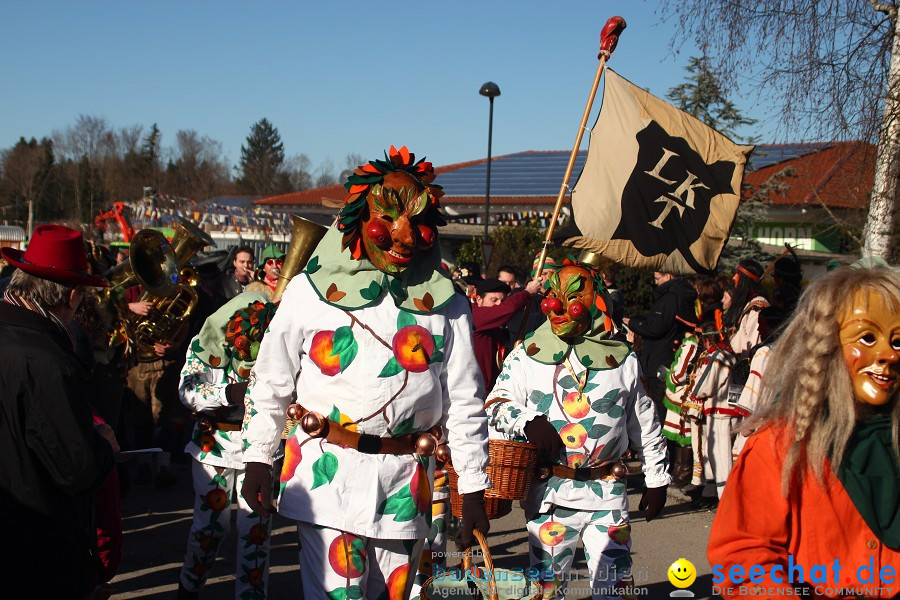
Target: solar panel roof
[539,174]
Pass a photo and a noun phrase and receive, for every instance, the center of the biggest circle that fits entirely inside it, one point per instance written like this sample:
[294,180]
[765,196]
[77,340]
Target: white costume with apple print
[217,472]
[380,370]
[597,427]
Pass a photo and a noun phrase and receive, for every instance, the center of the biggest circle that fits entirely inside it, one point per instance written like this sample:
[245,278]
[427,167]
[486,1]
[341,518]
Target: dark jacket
[672,310]
[52,460]
[490,335]
[226,287]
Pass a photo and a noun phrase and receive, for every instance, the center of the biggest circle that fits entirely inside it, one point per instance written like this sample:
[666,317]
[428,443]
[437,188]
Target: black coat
[52,459]
[662,329]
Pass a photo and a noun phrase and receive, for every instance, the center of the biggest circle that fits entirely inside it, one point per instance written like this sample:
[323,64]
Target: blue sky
[334,77]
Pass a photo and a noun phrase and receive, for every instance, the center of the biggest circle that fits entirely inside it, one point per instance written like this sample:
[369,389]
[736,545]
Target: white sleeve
[463,400]
[275,375]
[510,417]
[201,387]
[645,432]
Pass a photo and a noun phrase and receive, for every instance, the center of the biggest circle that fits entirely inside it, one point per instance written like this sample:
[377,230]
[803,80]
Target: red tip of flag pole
[609,36]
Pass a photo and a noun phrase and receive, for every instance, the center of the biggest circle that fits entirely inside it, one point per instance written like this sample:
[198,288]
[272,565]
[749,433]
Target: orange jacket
[816,525]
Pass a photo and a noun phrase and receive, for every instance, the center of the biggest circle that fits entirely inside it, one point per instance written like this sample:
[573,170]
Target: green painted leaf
[587,423]
[571,532]
[391,368]
[586,360]
[348,355]
[598,431]
[338,594]
[602,528]
[313,265]
[540,553]
[555,483]
[599,514]
[574,284]
[324,469]
[372,292]
[604,404]
[564,513]
[400,505]
[398,290]
[438,356]
[541,518]
[196,348]
[618,488]
[558,356]
[354,591]
[616,412]
[568,382]
[577,484]
[597,488]
[405,319]
[335,415]
[544,405]
[224,435]
[558,424]
[553,280]
[589,387]
[559,557]
[438,341]
[342,340]
[403,427]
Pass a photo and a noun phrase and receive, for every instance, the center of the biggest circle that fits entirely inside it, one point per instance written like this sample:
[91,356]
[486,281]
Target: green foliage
[702,96]
[512,246]
[262,159]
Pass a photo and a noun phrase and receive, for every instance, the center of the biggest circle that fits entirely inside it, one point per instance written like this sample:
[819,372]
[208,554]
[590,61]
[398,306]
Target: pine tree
[150,157]
[702,96]
[262,159]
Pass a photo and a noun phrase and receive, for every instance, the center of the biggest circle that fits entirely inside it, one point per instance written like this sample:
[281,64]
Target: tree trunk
[880,220]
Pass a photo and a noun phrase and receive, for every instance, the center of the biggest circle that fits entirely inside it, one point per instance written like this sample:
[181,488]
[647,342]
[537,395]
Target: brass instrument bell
[306,235]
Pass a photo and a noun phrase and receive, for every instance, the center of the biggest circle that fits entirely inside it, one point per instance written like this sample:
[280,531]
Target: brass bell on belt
[619,470]
[204,425]
[426,444]
[294,412]
[442,453]
[313,424]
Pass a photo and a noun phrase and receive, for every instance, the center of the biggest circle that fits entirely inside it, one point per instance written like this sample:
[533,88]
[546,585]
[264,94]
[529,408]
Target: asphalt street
[156,524]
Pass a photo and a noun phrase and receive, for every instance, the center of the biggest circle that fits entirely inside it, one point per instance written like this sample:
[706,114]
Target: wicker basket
[497,583]
[494,507]
[511,469]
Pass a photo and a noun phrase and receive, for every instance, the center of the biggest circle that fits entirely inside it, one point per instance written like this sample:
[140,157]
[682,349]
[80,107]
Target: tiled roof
[831,170]
[839,176]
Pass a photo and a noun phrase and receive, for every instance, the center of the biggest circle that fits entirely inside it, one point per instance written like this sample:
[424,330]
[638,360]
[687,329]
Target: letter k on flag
[659,189]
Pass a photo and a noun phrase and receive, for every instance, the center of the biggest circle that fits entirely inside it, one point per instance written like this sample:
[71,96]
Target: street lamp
[491,90]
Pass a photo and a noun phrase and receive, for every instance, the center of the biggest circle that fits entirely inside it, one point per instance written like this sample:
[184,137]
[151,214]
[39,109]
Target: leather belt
[587,474]
[365,442]
[207,424]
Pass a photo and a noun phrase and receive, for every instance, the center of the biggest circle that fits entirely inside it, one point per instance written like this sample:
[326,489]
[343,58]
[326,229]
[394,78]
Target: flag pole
[609,37]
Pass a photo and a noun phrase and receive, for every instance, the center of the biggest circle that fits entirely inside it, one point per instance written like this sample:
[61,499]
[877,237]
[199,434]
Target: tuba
[305,237]
[173,302]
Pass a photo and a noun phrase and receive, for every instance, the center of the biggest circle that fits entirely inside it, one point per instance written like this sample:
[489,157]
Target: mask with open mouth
[870,342]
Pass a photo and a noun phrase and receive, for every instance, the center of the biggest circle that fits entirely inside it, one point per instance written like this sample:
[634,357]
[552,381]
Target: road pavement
[156,524]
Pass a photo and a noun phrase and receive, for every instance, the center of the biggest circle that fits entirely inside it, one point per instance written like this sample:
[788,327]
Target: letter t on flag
[659,188]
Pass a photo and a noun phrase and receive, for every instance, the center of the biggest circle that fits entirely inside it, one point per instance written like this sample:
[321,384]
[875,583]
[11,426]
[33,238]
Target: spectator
[672,314]
[53,456]
[490,315]
[510,275]
[618,298]
[233,282]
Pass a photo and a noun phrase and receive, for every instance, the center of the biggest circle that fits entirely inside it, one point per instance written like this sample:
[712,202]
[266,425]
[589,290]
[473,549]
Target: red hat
[55,253]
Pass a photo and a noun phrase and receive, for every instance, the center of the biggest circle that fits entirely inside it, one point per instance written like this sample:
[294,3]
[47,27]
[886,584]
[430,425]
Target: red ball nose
[576,309]
[379,234]
[427,235]
[549,305]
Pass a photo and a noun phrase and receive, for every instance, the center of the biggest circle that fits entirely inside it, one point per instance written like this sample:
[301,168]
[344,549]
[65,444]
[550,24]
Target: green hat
[270,252]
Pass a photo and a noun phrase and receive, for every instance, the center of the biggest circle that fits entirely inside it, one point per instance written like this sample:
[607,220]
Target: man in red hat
[53,458]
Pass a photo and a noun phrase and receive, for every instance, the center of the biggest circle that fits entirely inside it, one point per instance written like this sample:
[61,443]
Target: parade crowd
[343,400]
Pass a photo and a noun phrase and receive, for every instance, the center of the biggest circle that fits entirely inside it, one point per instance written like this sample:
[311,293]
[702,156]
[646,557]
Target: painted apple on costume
[870,343]
[394,231]
[568,301]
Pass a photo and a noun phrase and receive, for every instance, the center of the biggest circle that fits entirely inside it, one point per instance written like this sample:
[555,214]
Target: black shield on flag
[667,200]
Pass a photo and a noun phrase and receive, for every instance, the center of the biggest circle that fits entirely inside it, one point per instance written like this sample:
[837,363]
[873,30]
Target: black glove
[542,434]
[257,488]
[652,502]
[473,517]
[235,392]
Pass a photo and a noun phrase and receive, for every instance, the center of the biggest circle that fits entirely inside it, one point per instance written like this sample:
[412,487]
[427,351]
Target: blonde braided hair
[807,393]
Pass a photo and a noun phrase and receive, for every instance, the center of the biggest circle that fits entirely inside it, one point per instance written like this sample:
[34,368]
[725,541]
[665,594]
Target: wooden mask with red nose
[569,301]
[395,230]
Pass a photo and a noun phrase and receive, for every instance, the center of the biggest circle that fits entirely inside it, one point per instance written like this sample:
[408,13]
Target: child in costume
[817,483]
[374,349]
[213,382]
[577,395]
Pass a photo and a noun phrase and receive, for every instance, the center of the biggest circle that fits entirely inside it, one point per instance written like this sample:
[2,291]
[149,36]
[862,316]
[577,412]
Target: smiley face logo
[682,573]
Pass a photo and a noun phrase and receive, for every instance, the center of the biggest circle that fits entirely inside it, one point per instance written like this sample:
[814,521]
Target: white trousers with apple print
[606,535]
